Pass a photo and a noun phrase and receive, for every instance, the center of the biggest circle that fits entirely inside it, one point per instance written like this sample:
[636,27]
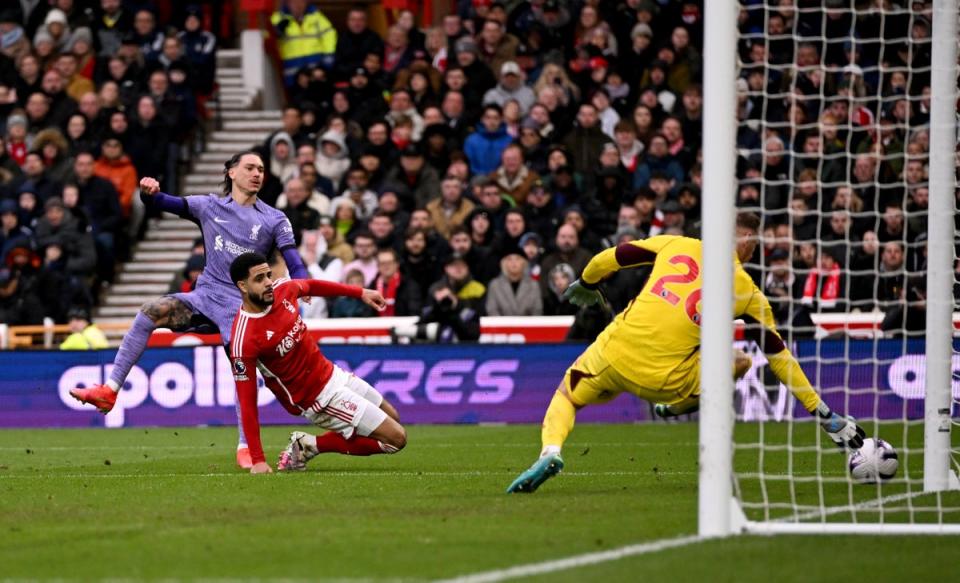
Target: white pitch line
[322,474]
[575,561]
[532,447]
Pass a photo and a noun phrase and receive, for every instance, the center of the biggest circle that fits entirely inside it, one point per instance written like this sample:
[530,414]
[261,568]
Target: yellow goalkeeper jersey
[658,334]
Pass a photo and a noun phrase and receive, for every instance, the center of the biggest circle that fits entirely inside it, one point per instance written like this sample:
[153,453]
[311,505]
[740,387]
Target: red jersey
[277,342]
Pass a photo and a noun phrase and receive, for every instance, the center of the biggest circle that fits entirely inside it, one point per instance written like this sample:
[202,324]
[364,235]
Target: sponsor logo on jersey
[292,338]
[221,244]
[290,307]
[286,227]
[255,232]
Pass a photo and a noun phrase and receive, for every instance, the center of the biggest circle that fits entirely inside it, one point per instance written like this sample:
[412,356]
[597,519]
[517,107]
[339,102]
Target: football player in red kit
[269,334]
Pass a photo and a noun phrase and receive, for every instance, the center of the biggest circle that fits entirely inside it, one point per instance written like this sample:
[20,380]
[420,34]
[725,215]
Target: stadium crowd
[93,95]
[474,167]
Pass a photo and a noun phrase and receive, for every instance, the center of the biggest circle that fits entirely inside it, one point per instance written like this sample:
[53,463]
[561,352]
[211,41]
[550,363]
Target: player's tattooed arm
[168,312]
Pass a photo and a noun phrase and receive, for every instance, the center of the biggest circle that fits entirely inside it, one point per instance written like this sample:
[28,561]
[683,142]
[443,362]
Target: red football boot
[100,396]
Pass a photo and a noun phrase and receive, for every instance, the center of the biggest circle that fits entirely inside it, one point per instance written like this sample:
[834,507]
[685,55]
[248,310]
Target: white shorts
[347,404]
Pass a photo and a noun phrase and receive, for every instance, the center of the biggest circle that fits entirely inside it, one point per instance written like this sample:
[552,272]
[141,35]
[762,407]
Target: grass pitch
[169,503]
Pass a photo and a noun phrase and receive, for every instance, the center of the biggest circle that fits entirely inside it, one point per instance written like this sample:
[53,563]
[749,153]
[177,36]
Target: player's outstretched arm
[245,377]
[624,255]
[755,310]
[152,197]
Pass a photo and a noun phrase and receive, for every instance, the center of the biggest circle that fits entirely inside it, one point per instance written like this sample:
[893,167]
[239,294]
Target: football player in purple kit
[232,224]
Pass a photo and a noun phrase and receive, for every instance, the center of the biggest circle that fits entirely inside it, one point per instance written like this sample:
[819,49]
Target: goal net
[839,150]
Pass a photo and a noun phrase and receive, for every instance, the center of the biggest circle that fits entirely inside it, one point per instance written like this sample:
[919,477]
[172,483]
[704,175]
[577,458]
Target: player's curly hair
[232,163]
[240,268]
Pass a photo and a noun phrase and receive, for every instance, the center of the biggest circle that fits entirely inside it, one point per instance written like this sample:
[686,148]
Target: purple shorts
[217,305]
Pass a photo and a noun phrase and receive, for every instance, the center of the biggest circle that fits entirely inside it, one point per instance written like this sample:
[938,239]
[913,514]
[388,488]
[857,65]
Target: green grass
[169,503]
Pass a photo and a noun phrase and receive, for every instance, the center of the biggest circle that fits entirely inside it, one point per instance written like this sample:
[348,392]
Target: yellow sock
[557,423]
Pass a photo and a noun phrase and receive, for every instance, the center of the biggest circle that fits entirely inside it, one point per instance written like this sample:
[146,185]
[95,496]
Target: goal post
[940,248]
[719,130]
[771,474]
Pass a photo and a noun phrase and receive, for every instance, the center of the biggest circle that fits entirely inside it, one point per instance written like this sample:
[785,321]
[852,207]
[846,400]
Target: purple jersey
[230,230]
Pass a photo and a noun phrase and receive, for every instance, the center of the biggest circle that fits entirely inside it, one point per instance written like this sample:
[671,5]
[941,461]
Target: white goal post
[722,511]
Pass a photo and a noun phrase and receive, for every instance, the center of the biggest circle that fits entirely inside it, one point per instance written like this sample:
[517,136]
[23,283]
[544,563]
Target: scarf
[389,293]
[829,292]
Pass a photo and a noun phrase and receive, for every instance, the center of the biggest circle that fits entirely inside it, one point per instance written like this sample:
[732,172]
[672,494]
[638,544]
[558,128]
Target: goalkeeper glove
[844,431]
[584,295]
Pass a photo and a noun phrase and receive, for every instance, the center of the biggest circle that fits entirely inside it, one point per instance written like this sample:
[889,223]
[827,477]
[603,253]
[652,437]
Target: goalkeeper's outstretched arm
[586,291]
[754,308]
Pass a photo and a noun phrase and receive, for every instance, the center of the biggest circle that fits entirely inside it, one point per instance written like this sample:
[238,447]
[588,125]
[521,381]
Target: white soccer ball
[875,461]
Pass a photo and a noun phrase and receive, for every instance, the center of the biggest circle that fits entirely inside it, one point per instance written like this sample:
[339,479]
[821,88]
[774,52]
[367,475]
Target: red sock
[356,445]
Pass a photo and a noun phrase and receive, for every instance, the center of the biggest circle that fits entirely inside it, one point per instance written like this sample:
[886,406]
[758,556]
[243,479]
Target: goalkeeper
[652,348]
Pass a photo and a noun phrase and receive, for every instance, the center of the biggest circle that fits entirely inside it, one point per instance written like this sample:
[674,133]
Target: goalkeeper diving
[652,348]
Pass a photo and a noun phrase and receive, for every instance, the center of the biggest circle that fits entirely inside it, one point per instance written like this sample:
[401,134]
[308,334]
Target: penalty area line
[575,561]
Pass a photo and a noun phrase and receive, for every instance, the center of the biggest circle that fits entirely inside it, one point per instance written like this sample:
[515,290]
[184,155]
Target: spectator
[511,87]
[59,230]
[558,280]
[149,141]
[298,211]
[364,249]
[479,76]
[306,37]
[496,46]
[779,286]
[355,43]
[485,146]
[333,157]
[401,292]
[420,178]
[658,159]
[397,51]
[191,272]
[891,278]
[84,335]
[102,204]
[200,47]
[347,307]
[419,260]
[825,287]
[115,166]
[568,251]
[11,231]
[513,177]
[36,178]
[321,265]
[336,245]
[513,292]
[586,139]
[451,208]
[455,304]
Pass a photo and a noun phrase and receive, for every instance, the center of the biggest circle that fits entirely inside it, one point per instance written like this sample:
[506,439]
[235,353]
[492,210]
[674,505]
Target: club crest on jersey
[269,334]
[255,232]
[218,243]
[290,308]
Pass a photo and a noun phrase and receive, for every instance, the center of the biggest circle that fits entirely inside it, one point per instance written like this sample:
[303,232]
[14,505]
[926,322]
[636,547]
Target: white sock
[113,385]
[550,450]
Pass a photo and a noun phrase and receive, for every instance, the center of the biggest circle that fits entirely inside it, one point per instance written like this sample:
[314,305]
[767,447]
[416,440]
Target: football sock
[242,440]
[557,423]
[132,347]
[356,445]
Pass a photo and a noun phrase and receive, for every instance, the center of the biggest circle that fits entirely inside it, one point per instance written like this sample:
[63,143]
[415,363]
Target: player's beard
[262,300]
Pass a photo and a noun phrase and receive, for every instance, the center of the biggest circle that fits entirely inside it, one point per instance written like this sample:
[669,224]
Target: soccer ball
[876,460]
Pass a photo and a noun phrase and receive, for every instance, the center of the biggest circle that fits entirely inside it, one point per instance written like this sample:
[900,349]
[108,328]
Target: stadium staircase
[158,260]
